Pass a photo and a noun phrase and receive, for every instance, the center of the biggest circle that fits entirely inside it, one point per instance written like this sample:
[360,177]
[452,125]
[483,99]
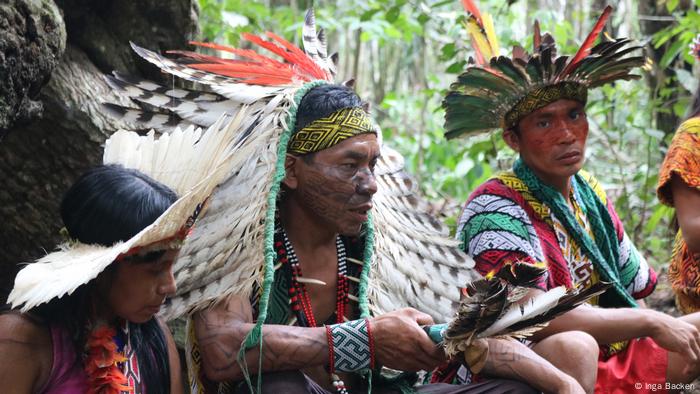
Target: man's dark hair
[106,205]
[322,101]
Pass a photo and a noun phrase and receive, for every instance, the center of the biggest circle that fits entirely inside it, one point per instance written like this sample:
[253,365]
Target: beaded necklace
[298,296]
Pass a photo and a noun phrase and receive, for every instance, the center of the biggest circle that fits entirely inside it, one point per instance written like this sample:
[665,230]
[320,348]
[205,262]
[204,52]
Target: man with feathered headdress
[548,212]
[318,224]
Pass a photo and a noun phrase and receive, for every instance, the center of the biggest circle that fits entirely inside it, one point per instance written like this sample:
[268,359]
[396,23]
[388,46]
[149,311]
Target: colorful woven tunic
[683,160]
[504,222]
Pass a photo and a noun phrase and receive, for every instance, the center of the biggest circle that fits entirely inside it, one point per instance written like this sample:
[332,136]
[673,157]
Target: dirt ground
[662,298]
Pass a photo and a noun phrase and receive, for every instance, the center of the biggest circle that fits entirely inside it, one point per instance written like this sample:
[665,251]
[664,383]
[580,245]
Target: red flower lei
[101,364]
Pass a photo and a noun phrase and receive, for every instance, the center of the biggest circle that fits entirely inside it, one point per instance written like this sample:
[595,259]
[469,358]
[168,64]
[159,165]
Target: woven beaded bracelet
[350,346]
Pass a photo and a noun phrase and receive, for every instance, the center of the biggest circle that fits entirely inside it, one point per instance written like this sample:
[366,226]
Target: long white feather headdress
[190,162]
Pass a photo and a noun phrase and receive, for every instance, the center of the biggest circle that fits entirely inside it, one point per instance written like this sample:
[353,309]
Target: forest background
[403,55]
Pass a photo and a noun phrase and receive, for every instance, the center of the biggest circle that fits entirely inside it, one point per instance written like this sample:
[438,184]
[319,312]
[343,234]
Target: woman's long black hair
[106,205]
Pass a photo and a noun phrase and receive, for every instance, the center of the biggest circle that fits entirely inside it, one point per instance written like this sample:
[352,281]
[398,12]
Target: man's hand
[400,342]
[678,336]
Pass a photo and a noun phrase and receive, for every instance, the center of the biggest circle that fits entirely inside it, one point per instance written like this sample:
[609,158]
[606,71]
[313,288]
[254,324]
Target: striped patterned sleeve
[495,230]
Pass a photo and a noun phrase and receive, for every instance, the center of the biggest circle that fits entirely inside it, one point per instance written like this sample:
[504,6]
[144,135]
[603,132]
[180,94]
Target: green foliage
[680,35]
[404,55]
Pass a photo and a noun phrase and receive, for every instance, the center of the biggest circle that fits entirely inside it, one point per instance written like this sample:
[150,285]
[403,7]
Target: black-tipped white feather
[315,44]
[225,86]
[190,105]
[144,120]
[124,81]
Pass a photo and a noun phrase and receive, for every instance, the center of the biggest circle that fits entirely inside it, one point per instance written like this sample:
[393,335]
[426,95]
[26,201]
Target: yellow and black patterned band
[333,129]
[542,96]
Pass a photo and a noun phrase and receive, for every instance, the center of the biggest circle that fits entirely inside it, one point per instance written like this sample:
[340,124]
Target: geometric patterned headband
[543,96]
[331,130]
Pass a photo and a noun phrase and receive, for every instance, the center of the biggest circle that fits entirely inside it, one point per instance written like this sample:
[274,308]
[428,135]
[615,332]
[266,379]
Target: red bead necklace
[299,298]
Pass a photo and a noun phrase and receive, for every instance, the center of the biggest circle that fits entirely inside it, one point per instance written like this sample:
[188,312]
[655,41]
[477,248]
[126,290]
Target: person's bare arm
[25,348]
[686,200]
[509,359]
[400,343]
[173,361]
[221,330]
[608,325]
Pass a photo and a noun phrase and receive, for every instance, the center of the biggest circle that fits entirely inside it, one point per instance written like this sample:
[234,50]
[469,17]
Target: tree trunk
[42,156]
[32,40]
[658,77]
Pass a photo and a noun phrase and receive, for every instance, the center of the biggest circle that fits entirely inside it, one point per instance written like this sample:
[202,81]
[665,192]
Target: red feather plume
[256,68]
[585,49]
[301,59]
[246,53]
[261,70]
[479,56]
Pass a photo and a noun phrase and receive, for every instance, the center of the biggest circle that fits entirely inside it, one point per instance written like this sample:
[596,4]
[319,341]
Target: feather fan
[497,306]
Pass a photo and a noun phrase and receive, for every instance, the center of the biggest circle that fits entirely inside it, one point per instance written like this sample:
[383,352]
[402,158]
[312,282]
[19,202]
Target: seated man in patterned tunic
[548,211]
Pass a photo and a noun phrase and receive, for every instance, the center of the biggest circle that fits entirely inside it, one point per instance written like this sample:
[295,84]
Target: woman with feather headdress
[547,211]
[85,319]
[679,187]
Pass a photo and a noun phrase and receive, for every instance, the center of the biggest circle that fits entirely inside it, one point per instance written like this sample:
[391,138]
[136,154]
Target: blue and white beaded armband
[351,346]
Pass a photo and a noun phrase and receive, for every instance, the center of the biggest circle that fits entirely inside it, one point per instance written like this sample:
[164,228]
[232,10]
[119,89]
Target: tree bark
[32,40]
[41,158]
